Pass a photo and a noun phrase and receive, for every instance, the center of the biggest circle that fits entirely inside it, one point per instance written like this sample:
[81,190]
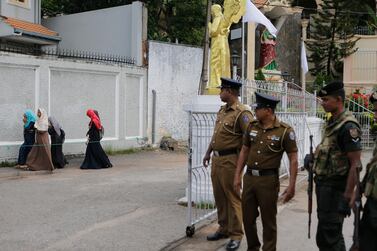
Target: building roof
[28,26]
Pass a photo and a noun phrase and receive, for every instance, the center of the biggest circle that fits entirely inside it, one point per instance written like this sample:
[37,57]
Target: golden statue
[218,32]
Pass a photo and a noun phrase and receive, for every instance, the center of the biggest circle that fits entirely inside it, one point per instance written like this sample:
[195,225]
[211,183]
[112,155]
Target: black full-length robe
[57,141]
[29,139]
[95,156]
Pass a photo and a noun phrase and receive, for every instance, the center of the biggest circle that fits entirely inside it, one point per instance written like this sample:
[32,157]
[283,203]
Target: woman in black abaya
[57,135]
[95,156]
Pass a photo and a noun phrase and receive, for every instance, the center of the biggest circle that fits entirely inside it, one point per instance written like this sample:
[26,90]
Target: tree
[332,36]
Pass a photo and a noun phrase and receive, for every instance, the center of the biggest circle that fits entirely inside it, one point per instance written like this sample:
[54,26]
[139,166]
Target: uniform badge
[292,135]
[275,138]
[245,118]
[354,133]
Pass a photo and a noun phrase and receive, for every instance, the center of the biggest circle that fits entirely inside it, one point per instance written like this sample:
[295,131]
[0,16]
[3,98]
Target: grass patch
[204,205]
[8,163]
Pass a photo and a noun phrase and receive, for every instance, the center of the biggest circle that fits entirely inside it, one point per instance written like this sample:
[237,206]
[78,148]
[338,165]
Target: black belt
[263,172]
[225,152]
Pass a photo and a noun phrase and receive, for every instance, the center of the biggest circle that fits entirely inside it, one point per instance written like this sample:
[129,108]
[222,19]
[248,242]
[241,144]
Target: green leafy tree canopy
[332,36]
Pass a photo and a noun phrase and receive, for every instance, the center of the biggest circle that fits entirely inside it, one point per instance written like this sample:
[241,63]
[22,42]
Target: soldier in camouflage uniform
[232,122]
[368,225]
[337,159]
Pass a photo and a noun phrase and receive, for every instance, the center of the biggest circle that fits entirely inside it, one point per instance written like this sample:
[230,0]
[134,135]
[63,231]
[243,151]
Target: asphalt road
[131,206]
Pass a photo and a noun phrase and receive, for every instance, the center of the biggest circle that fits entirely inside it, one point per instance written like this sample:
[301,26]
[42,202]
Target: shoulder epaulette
[285,125]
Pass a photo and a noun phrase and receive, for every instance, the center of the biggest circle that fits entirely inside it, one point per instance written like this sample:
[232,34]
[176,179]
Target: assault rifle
[356,211]
[308,164]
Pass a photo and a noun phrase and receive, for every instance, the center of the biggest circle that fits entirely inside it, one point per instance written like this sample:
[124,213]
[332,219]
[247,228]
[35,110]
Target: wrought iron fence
[364,30]
[293,99]
[68,54]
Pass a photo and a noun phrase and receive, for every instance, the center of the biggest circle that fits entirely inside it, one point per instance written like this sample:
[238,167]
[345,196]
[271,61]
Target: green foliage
[168,20]
[8,163]
[260,75]
[321,80]
[372,19]
[332,35]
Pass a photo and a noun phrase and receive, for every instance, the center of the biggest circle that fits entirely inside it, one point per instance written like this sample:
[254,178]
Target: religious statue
[218,31]
[267,54]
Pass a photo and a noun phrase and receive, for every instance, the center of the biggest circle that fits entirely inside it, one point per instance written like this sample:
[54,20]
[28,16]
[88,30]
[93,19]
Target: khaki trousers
[260,192]
[228,202]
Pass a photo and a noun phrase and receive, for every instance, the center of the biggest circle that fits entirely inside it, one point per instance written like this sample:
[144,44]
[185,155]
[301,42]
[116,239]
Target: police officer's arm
[240,165]
[290,146]
[207,156]
[350,142]
[242,160]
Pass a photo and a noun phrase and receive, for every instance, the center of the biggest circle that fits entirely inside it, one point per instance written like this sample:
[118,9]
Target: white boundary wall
[66,89]
[174,73]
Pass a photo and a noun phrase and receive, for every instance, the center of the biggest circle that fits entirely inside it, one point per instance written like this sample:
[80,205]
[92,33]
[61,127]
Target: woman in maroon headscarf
[95,156]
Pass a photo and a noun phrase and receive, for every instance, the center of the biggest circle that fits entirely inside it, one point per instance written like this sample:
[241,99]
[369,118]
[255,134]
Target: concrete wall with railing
[66,89]
[117,31]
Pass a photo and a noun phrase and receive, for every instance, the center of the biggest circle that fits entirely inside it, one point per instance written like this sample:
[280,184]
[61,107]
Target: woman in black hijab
[57,139]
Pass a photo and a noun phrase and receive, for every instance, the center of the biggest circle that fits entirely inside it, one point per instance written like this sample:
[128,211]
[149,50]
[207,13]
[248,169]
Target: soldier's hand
[344,208]
[206,160]
[288,193]
[351,204]
[237,184]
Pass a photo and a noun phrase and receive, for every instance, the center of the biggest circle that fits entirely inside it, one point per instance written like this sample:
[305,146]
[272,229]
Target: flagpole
[303,80]
[243,52]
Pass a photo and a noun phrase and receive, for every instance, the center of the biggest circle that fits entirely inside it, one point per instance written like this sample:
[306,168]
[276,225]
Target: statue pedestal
[272,75]
[212,91]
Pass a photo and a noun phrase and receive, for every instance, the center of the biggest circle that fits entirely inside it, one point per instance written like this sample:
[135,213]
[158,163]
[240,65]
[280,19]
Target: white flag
[304,61]
[253,14]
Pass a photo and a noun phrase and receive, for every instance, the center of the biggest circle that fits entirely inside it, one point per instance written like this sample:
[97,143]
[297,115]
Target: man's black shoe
[233,245]
[216,236]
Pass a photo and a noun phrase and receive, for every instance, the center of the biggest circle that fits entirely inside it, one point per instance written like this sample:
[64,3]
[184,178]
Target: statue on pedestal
[267,63]
[219,31]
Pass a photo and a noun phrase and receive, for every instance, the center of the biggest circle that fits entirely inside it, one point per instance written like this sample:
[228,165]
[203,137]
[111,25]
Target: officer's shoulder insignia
[245,118]
[292,135]
[354,132]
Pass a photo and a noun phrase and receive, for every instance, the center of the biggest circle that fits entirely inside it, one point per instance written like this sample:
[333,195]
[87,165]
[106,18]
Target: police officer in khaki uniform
[337,159]
[264,143]
[368,224]
[232,121]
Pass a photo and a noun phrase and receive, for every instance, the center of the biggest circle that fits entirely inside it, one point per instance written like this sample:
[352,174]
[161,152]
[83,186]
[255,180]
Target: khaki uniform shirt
[231,124]
[268,145]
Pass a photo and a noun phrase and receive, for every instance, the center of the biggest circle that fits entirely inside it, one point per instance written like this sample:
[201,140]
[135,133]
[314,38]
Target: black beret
[230,83]
[265,101]
[332,88]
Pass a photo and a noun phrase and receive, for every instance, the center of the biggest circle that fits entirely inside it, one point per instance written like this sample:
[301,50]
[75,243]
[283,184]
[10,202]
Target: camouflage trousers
[330,223]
